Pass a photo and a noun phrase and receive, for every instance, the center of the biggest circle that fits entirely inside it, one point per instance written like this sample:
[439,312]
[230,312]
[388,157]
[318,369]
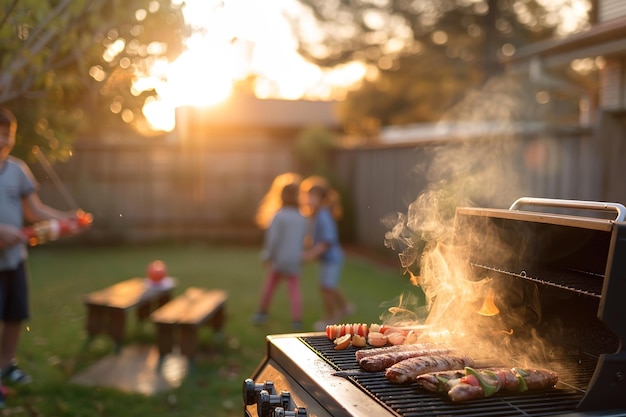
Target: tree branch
[34,44]
[8,12]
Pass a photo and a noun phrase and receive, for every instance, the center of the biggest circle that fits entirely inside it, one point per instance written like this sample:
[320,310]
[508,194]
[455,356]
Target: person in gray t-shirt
[19,202]
[282,254]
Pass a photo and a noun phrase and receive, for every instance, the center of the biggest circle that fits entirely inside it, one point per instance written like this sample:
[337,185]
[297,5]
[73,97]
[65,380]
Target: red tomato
[470,380]
[156,271]
[329,332]
[501,377]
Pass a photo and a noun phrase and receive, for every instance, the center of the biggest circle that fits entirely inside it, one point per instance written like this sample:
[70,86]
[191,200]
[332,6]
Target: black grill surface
[408,400]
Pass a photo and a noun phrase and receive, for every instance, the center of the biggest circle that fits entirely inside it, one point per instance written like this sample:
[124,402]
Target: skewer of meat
[363,353]
[504,379]
[383,361]
[408,370]
[487,382]
[438,381]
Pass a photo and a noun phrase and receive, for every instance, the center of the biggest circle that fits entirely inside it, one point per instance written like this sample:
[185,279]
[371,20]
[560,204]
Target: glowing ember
[489,307]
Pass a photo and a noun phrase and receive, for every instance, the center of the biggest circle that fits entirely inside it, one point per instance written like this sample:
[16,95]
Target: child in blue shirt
[323,206]
[19,201]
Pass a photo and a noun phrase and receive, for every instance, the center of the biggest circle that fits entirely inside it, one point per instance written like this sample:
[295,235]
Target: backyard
[52,350]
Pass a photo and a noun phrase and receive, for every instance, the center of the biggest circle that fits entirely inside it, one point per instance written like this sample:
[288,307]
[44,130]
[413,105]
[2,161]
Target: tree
[420,89]
[423,55]
[67,66]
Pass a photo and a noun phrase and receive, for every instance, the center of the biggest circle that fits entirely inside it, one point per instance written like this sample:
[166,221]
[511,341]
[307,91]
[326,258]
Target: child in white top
[282,249]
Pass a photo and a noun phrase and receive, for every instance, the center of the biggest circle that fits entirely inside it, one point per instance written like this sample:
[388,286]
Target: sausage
[537,378]
[466,392]
[501,379]
[438,381]
[534,379]
[445,381]
[408,370]
[385,360]
[508,379]
[363,353]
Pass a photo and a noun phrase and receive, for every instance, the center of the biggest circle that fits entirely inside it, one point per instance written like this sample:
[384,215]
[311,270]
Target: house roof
[605,38]
[249,112]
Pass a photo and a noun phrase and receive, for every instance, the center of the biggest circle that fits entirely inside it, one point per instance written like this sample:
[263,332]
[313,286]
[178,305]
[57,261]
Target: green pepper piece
[522,383]
[442,383]
[489,389]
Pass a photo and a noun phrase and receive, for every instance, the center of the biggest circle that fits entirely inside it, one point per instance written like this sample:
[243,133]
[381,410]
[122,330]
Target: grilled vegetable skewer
[480,383]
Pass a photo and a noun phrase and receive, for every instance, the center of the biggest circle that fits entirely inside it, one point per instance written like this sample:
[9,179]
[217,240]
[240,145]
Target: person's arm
[271,241]
[325,239]
[35,210]
[316,251]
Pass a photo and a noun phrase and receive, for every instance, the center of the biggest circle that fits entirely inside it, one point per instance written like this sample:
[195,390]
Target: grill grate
[408,401]
[577,281]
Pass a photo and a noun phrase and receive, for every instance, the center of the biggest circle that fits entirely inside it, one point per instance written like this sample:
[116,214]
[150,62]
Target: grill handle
[619,209]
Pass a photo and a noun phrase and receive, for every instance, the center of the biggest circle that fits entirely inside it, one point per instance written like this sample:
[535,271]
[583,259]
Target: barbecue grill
[558,268]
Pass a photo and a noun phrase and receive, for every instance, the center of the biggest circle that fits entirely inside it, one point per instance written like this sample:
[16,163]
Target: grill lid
[577,255]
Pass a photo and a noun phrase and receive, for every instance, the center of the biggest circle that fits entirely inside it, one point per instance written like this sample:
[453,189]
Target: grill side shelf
[339,396]
[344,361]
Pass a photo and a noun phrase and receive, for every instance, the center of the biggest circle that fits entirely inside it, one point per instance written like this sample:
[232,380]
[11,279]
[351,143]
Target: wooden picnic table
[179,321]
[107,308]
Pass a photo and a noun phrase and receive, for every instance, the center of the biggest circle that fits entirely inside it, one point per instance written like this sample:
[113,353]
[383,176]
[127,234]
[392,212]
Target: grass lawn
[51,346]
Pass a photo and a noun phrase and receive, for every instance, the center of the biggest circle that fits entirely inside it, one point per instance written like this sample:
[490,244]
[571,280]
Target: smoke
[476,167]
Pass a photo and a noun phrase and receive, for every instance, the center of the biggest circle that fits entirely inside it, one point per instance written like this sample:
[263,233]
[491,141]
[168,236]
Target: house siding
[612,85]
[611,9]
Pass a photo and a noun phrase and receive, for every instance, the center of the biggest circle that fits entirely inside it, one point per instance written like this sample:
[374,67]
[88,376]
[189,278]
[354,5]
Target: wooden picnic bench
[178,321]
[107,308]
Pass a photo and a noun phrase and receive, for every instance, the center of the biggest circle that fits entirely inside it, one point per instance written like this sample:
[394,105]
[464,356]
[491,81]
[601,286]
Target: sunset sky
[233,39]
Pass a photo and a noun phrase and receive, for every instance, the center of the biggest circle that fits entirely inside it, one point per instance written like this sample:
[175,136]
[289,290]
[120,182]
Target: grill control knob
[285,399]
[251,390]
[268,402]
[298,412]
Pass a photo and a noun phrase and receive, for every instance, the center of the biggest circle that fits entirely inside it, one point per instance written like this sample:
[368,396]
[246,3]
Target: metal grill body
[574,266]
[329,383]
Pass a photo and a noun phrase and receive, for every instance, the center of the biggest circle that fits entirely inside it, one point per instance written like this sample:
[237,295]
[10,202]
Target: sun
[194,79]
[232,40]
[199,79]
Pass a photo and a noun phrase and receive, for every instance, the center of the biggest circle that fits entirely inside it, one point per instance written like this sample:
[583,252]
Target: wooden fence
[159,191]
[163,191]
[492,172]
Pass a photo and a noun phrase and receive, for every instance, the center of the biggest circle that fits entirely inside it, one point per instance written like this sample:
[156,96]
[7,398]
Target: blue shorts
[14,294]
[329,274]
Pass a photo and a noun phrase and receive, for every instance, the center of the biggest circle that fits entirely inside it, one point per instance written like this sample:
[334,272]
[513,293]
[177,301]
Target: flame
[415,279]
[489,307]
[508,332]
